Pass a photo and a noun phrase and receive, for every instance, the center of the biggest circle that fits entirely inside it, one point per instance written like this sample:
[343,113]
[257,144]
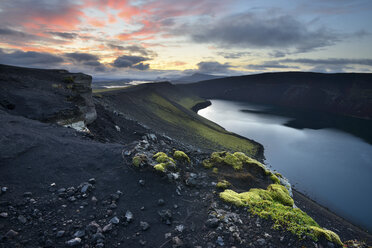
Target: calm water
[333,167]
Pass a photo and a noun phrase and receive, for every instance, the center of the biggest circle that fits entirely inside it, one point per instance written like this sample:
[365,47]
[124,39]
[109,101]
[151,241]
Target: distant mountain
[196,77]
[348,94]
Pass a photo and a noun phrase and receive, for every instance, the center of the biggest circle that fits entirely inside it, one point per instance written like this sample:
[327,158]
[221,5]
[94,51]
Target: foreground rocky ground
[63,188]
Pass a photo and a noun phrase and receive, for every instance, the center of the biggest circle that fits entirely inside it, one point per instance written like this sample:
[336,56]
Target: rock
[22,219]
[93,227]
[11,234]
[212,223]
[115,220]
[92,181]
[166,216]
[113,206]
[161,202]
[107,228]
[177,242]
[152,137]
[219,241]
[60,234]
[86,187]
[4,215]
[180,228]
[144,225]
[98,236]
[72,199]
[128,216]
[79,233]
[141,182]
[330,245]
[4,189]
[94,199]
[117,128]
[261,241]
[115,197]
[73,242]
[142,242]
[61,190]
[27,194]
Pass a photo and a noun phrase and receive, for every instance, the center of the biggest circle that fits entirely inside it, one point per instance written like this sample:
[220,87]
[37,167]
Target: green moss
[207,164]
[275,179]
[223,184]
[164,162]
[278,174]
[215,170]
[68,80]
[160,167]
[181,156]
[329,235]
[275,202]
[139,159]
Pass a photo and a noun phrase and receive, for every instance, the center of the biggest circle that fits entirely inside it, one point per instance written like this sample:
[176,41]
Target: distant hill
[196,77]
[349,94]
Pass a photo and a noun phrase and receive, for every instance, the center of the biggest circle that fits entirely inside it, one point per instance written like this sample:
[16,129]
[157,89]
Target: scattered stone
[94,199]
[161,202]
[212,223]
[128,216]
[11,234]
[144,225]
[22,219]
[72,199]
[117,128]
[219,241]
[61,190]
[92,181]
[115,220]
[27,194]
[142,208]
[180,228]
[261,241]
[60,234]
[177,242]
[86,187]
[107,228]
[4,189]
[141,182]
[113,206]
[98,237]
[142,242]
[115,197]
[166,216]
[4,215]
[167,235]
[79,233]
[73,242]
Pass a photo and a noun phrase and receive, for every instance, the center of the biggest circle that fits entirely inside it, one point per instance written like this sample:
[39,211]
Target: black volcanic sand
[37,211]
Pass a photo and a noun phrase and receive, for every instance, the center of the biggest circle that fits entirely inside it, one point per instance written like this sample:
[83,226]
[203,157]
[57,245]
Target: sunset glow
[158,38]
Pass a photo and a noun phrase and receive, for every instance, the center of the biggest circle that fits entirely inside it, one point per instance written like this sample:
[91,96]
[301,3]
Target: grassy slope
[167,110]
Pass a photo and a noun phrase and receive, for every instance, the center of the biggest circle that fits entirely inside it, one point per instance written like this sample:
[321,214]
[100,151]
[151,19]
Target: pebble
[113,206]
[129,216]
[177,242]
[4,189]
[11,234]
[73,242]
[212,223]
[60,234]
[161,202]
[107,228]
[180,228]
[115,220]
[166,216]
[22,219]
[79,233]
[144,225]
[142,242]
[219,241]
[86,187]
[4,215]
[72,199]
[92,181]
[261,241]
[141,182]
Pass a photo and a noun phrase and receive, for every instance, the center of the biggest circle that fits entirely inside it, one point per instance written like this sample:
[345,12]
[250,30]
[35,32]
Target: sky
[151,39]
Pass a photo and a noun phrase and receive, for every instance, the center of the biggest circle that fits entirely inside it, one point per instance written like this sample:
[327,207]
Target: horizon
[150,39]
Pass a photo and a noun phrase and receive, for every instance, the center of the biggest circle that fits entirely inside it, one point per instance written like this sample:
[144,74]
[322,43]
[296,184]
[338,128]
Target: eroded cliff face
[348,94]
[56,96]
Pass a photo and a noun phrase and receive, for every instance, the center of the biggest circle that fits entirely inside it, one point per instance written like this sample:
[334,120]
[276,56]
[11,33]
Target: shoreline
[305,200]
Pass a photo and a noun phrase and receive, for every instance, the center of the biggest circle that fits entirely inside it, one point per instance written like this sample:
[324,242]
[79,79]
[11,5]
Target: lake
[326,157]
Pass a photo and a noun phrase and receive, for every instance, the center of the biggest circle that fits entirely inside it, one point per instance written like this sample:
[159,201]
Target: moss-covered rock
[139,160]
[276,203]
[164,162]
[223,184]
[274,178]
[181,156]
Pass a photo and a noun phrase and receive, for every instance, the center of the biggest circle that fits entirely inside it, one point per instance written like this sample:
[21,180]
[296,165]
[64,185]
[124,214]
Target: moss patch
[139,160]
[223,184]
[165,162]
[276,203]
[181,156]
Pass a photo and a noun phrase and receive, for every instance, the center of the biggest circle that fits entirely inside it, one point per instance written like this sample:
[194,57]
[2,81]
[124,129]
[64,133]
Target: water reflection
[330,165]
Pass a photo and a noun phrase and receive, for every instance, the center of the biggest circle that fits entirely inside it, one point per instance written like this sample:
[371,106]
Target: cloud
[233,55]
[81,57]
[133,49]
[252,31]
[65,35]
[213,67]
[270,65]
[330,61]
[127,61]
[32,59]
